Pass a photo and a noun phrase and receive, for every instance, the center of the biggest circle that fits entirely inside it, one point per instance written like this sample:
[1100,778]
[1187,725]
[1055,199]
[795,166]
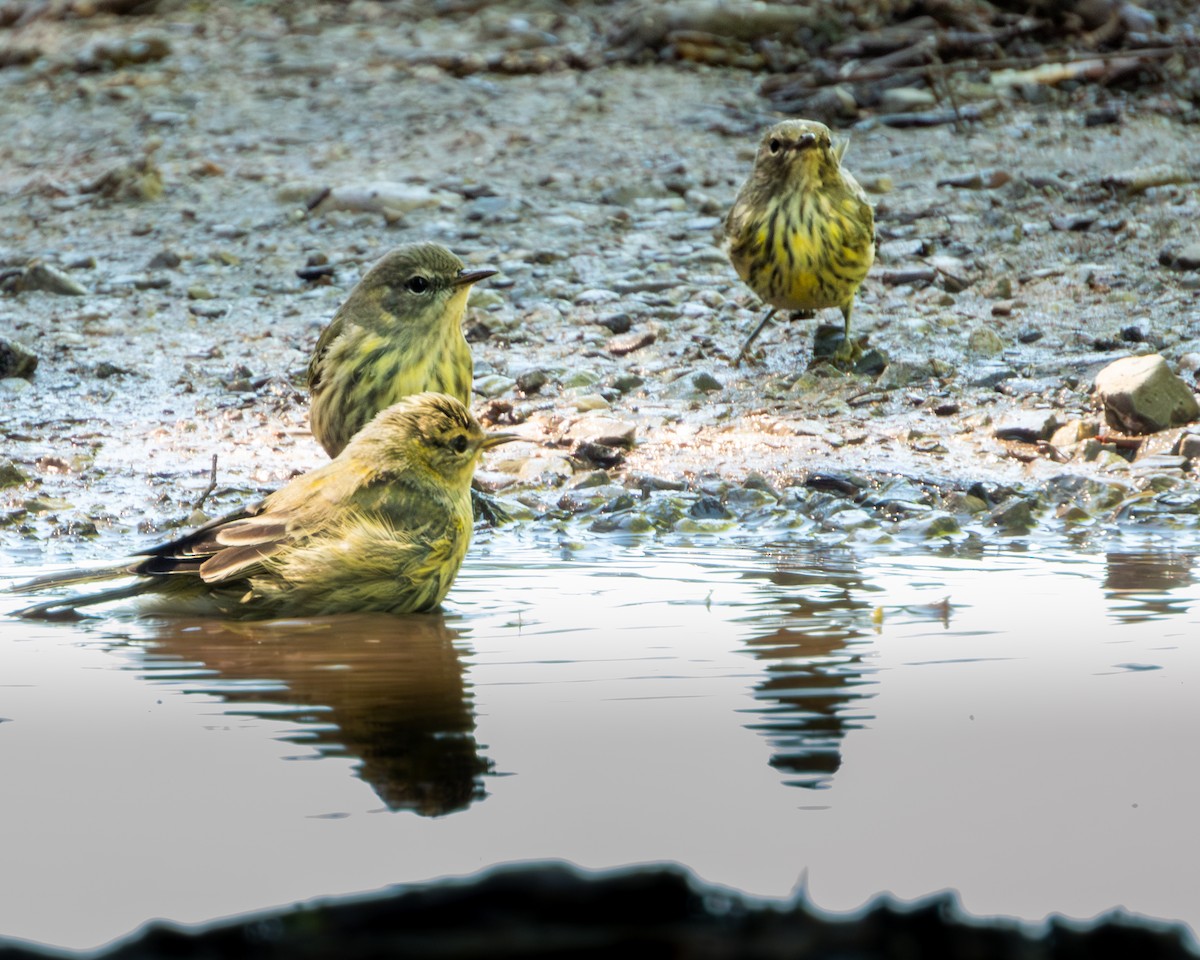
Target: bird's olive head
[422,283]
[435,432]
[792,146]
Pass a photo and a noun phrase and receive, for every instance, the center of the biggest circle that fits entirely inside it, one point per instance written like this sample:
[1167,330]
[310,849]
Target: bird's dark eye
[774,145]
[417,284]
[459,444]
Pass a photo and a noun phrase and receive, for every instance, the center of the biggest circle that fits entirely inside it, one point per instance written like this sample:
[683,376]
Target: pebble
[1185,258]
[580,378]
[1142,395]
[13,385]
[984,342]
[590,401]
[47,279]
[1189,446]
[902,373]
[208,310]
[606,430]
[1028,426]
[601,454]
[623,345]
[596,295]
[1014,515]
[493,385]
[10,475]
[531,381]
[16,360]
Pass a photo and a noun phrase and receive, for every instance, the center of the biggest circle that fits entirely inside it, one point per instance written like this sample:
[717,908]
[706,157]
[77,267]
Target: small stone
[200,292]
[872,363]
[627,382]
[1014,515]
[622,345]
[902,373]
[1003,308]
[1028,426]
[208,310]
[947,409]
[13,385]
[1186,258]
[984,342]
[493,385]
[1029,335]
[596,295]
[606,430]
[599,454]
[1002,289]
[1073,431]
[906,99]
[531,381]
[16,360]
[708,508]
[1189,446]
[164,259]
[48,279]
[10,476]
[590,401]
[1142,395]
[705,382]
[616,322]
[580,378]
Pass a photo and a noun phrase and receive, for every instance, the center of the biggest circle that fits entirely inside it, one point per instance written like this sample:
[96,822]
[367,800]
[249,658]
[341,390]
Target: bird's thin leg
[848,351]
[750,339]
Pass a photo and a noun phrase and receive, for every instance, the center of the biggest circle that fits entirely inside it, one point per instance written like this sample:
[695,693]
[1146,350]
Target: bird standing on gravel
[398,333]
[382,528]
[801,233]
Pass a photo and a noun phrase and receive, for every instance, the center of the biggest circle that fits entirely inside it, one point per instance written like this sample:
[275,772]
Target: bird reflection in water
[387,691]
[1139,585]
[816,677]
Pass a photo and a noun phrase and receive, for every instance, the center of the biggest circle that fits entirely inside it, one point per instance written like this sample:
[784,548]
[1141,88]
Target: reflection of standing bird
[801,232]
[398,333]
[381,528]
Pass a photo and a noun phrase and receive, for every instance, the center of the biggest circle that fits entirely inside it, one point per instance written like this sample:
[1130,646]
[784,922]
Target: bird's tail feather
[67,608]
[69,578]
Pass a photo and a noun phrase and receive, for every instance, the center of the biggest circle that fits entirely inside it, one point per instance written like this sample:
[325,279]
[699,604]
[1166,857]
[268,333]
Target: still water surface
[1017,726]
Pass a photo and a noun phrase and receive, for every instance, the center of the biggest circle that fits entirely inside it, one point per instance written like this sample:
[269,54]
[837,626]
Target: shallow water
[1015,725]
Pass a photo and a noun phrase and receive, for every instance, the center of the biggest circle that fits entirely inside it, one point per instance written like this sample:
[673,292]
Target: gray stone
[1014,515]
[1142,395]
[984,342]
[900,373]
[1028,426]
[605,430]
[1189,445]
[1187,258]
[494,384]
[16,360]
[10,475]
[48,279]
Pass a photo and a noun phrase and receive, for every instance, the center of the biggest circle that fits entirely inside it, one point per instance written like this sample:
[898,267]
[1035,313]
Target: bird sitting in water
[801,233]
[381,528]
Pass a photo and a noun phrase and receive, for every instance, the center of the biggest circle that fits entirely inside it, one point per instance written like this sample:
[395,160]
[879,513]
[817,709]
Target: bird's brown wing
[222,547]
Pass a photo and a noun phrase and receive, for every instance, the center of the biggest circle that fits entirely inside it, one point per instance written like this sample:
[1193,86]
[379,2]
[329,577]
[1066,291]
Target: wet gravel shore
[182,216]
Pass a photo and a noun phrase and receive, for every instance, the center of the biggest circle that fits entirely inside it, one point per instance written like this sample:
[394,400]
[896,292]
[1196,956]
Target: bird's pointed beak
[495,439]
[467,277]
[806,141]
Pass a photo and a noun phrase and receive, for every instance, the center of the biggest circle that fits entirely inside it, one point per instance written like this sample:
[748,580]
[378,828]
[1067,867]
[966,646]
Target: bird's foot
[832,346]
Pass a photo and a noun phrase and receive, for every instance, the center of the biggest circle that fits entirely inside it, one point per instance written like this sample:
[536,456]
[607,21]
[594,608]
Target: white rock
[1142,395]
